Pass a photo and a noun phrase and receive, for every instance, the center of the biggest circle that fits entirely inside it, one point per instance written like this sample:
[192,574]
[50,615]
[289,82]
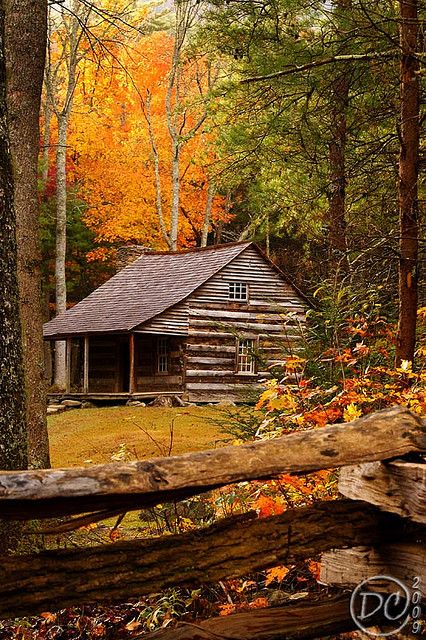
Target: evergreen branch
[321,63]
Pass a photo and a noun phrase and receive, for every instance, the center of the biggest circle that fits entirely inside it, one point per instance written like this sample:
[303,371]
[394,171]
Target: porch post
[132,363]
[68,366]
[86,365]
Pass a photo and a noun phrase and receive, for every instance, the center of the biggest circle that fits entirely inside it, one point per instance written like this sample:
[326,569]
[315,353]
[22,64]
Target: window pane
[162,362]
[245,362]
[238,291]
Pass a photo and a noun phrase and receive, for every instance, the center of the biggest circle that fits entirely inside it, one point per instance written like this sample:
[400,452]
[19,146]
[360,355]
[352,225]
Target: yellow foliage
[405,367]
[351,412]
[270,393]
[285,401]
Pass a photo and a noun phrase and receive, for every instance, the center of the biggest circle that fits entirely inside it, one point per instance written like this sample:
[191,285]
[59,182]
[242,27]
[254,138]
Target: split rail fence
[377,527]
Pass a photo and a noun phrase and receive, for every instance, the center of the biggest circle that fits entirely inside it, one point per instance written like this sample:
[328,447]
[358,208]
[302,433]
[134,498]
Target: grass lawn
[95,435]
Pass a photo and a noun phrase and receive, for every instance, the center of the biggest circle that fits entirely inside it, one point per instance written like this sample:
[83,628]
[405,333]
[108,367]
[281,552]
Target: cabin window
[163,355]
[238,291]
[245,356]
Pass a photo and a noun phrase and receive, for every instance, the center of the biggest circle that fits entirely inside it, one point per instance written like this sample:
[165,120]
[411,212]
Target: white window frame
[163,355]
[245,360]
[238,291]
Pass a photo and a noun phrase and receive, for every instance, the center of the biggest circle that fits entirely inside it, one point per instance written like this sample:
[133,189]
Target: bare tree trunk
[13,434]
[207,214]
[186,11]
[61,245]
[25,46]
[146,108]
[69,58]
[46,141]
[219,227]
[174,137]
[408,174]
[174,210]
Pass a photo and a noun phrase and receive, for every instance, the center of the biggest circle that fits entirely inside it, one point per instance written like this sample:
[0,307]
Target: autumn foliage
[110,161]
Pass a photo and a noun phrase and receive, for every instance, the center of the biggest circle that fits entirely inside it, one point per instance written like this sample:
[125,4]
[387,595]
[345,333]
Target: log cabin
[204,324]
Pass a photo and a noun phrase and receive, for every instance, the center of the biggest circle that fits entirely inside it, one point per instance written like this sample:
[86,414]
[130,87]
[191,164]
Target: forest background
[277,121]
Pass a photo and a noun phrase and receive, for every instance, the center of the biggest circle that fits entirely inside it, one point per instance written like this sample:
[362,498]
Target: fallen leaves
[276,573]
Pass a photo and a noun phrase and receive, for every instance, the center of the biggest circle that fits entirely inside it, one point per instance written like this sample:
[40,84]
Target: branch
[321,63]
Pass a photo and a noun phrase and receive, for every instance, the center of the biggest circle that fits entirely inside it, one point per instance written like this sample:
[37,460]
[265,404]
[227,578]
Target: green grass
[95,435]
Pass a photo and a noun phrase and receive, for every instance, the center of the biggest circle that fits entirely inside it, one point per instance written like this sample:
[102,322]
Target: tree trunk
[13,435]
[337,206]
[337,163]
[146,108]
[25,46]
[174,211]
[61,244]
[46,141]
[408,173]
[207,214]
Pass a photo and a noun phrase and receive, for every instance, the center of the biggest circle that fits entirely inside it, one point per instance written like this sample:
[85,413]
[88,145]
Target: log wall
[272,316]
[174,321]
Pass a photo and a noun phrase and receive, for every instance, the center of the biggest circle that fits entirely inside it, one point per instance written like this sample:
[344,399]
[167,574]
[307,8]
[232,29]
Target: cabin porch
[124,366]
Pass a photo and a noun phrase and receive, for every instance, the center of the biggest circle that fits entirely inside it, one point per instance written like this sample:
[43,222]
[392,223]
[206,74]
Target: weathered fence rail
[57,492]
[356,537]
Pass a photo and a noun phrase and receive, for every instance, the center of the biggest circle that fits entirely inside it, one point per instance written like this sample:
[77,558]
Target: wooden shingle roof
[153,283]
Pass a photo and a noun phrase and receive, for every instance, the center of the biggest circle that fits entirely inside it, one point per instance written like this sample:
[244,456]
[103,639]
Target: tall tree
[307,123]
[178,117]
[61,81]
[13,436]
[336,216]
[25,47]
[408,174]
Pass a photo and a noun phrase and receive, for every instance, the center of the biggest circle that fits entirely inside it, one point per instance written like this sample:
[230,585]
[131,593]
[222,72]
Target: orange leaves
[277,398]
[294,363]
[322,416]
[268,506]
[284,401]
[227,609]
[361,380]
[114,163]
[259,603]
[48,616]
[314,568]
[99,254]
[267,395]
[276,573]
[299,484]
[133,625]
[345,357]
